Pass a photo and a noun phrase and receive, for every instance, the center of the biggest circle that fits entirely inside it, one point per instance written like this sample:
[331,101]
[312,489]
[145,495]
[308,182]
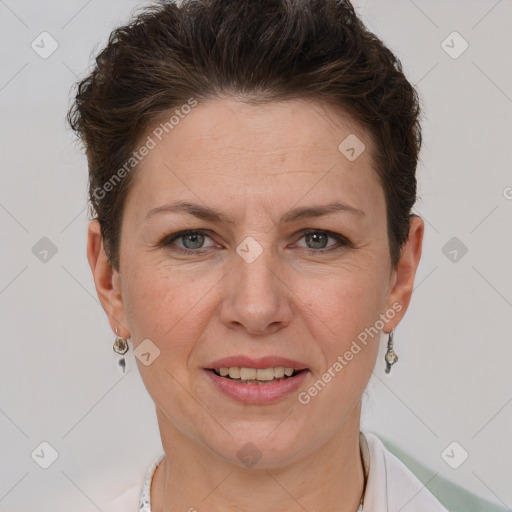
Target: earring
[121,347]
[390,357]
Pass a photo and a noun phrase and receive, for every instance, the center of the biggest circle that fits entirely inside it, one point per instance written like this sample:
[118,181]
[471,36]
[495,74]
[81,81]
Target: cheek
[345,303]
[163,293]
[348,306]
[164,309]
[155,303]
[171,307]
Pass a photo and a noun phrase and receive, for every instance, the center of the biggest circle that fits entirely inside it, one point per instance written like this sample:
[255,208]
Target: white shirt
[390,486]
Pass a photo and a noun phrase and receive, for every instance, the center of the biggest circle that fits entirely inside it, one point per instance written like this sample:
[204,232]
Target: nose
[257,296]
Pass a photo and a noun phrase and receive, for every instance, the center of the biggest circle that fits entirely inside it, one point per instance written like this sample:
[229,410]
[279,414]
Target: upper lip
[242,361]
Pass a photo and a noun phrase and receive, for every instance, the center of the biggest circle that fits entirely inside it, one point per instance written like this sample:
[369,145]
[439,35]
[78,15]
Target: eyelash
[341,239]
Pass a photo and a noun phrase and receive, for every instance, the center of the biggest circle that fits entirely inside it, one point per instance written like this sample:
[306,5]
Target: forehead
[226,151]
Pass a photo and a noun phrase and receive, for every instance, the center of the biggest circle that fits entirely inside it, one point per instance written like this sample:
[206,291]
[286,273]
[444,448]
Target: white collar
[391,486]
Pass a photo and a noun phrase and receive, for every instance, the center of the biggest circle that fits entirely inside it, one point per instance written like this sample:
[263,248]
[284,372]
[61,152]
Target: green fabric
[454,497]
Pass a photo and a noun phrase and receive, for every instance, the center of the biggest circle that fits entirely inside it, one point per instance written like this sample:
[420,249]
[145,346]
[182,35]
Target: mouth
[256,376]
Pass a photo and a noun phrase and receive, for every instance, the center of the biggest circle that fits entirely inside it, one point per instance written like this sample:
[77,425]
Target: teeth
[259,374]
[248,373]
[266,374]
[279,372]
[234,373]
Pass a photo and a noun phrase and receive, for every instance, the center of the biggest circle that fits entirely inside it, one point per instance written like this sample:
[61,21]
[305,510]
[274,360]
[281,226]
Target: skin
[254,163]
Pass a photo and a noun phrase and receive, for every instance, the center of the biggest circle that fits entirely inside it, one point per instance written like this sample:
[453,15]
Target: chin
[260,446]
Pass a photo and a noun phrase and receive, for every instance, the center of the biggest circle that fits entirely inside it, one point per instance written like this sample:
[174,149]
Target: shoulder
[136,495]
[127,501]
[391,486]
[399,470]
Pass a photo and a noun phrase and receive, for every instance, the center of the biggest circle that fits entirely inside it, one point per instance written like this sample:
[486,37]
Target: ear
[403,276]
[106,280]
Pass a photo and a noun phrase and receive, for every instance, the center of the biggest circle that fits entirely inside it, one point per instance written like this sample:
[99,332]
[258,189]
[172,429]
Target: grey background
[59,381]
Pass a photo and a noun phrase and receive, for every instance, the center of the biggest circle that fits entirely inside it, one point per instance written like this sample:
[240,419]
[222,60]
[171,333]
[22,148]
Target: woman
[252,174]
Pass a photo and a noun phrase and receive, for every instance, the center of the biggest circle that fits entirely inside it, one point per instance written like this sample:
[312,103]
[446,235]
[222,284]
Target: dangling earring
[121,347]
[390,357]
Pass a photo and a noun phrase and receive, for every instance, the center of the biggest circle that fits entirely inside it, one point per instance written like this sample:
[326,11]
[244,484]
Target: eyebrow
[208,214]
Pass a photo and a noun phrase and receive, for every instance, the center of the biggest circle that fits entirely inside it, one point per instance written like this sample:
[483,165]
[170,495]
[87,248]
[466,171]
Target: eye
[192,240]
[318,239]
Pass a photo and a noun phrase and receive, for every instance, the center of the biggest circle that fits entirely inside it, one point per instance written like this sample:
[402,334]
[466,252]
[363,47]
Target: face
[263,279]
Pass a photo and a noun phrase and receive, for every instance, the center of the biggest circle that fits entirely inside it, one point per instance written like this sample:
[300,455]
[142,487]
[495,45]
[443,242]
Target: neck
[193,478]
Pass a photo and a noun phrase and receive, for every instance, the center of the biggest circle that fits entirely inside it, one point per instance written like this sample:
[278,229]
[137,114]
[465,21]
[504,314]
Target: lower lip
[257,393]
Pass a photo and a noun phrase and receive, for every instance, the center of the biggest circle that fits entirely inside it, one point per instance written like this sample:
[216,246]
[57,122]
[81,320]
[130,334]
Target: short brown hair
[257,51]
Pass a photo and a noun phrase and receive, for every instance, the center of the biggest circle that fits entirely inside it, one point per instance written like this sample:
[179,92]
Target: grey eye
[316,238]
[196,240]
